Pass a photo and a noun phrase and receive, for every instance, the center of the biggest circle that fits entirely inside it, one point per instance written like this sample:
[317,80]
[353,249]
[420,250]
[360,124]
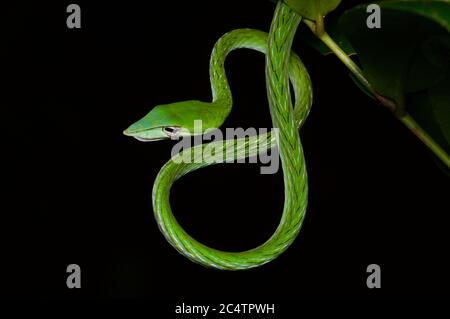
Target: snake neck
[283,28]
[236,39]
[222,98]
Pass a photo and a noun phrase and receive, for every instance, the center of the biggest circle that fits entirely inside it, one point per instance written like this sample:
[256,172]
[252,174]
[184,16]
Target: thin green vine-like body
[177,119]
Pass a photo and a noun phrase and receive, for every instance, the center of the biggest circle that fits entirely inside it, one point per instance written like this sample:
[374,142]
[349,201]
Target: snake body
[282,65]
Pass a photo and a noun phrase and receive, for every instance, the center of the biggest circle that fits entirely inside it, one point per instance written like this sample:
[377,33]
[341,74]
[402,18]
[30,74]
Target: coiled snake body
[177,119]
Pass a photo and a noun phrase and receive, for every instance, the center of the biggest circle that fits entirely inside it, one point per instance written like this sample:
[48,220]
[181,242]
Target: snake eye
[171,131]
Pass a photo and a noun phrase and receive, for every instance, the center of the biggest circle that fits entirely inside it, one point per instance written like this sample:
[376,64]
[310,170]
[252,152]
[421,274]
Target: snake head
[171,121]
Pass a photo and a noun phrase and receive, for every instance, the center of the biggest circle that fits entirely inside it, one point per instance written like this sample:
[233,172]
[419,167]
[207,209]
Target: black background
[78,191]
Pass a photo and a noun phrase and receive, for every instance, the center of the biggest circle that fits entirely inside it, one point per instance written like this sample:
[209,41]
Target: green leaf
[430,108]
[393,56]
[426,112]
[408,58]
[332,28]
[440,102]
[312,9]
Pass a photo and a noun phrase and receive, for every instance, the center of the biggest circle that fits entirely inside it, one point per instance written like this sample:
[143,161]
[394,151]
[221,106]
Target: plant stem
[404,117]
[352,66]
[425,138]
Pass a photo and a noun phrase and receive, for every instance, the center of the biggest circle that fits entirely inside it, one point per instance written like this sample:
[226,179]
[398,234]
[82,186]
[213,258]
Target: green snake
[177,120]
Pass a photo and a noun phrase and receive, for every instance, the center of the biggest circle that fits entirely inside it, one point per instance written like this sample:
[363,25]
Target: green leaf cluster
[407,60]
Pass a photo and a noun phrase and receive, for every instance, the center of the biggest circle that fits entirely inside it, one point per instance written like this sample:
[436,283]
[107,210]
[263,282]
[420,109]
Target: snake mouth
[142,139]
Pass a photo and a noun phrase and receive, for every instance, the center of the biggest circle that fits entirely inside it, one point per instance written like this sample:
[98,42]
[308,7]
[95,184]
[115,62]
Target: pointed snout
[133,129]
